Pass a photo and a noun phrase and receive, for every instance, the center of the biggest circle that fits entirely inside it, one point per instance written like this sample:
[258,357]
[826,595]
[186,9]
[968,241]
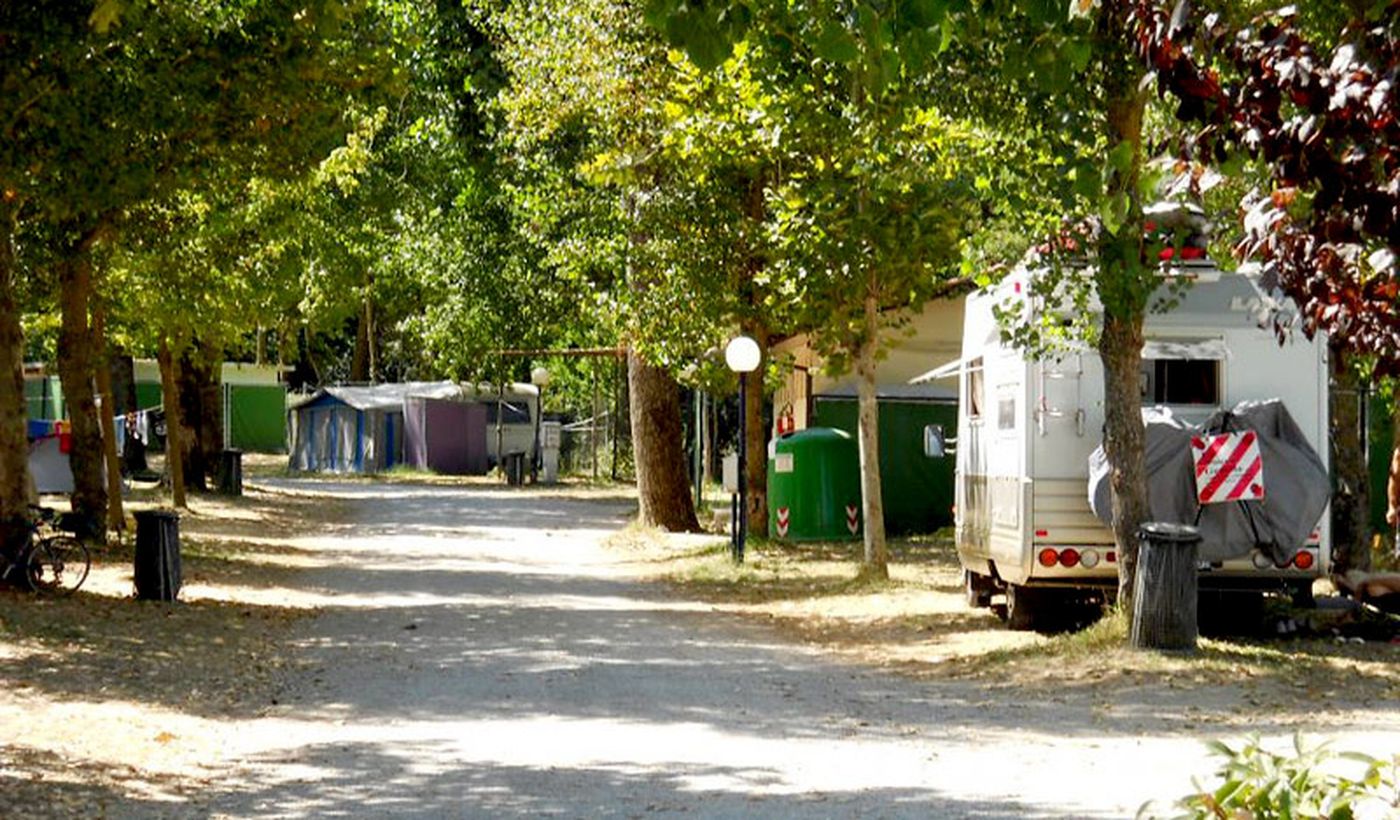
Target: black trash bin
[231,472]
[157,555]
[514,467]
[1165,602]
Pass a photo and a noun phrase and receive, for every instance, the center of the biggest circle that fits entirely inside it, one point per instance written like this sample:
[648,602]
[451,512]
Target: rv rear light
[1069,557]
[1048,557]
[1088,559]
[1303,559]
[1112,557]
[1262,561]
[1042,533]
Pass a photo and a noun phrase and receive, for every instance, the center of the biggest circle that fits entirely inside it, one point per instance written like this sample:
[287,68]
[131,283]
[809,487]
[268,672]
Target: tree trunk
[1124,440]
[201,410]
[876,563]
[1125,282]
[1351,493]
[371,341]
[658,448]
[14,443]
[174,430]
[108,407]
[359,360]
[756,443]
[76,369]
[755,431]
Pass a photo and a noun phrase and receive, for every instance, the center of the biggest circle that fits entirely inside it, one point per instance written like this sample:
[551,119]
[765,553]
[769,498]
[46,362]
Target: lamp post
[742,356]
[539,377]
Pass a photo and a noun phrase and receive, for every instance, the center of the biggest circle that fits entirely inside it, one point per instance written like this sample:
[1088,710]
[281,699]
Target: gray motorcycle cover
[1296,485]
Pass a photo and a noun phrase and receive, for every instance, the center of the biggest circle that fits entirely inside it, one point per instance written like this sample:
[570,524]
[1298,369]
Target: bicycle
[48,561]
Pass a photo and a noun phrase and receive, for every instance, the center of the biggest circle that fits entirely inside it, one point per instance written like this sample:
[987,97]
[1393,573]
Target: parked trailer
[1027,426]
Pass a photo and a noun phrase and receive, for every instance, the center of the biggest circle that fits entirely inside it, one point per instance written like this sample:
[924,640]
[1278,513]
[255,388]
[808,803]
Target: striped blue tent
[354,429]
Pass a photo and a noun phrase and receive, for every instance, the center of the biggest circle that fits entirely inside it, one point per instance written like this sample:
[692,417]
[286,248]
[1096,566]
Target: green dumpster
[814,486]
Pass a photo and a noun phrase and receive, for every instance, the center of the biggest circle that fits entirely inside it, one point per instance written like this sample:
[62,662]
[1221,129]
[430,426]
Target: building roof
[391,396]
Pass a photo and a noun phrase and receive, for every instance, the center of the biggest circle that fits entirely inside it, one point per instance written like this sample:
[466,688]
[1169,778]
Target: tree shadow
[40,784]
[208,658]
[391,779]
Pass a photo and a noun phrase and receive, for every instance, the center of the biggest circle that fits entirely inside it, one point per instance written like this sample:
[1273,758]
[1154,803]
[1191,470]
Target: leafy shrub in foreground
[1256,784]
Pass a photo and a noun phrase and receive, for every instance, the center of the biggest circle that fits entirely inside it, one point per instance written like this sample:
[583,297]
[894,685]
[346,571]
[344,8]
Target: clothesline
[138,422]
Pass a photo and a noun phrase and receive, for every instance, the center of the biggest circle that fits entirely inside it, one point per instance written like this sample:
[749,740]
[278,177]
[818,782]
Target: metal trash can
[231,472]
[514,467]
[157,555]
[1165,596]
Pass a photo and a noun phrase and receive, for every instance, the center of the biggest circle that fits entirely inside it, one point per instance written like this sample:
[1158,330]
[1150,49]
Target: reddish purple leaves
[1328,128]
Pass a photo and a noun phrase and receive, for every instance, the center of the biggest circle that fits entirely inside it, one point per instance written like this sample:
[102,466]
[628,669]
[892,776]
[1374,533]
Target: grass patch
[773,571]
[918,622]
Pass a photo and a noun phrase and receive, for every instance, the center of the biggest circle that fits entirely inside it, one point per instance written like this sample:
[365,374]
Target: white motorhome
[1026,429]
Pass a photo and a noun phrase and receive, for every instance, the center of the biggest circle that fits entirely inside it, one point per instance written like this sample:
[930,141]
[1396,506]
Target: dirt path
[476,652]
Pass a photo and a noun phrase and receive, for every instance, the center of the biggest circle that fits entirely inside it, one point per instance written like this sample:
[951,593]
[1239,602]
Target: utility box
[814,486]
[551,437]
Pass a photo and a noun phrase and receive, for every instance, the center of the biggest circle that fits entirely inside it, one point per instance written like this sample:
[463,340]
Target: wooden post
[1164,603]
[107,407]
[174,430]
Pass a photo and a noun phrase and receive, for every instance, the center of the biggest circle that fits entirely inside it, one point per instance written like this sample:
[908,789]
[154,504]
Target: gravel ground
[476,652]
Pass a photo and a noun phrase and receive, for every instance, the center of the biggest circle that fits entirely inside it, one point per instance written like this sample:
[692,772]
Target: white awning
[943,371]
[1199,349]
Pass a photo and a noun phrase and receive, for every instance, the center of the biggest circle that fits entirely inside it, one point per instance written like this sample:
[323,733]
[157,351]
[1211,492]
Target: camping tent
[445,435]
[355,429]
[49,443]
[364,429]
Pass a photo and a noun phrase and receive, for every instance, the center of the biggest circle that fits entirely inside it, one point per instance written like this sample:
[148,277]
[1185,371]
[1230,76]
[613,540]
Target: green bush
[1256,784]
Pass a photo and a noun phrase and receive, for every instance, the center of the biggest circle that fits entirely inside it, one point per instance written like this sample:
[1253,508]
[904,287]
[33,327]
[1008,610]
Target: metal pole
[620,375]
[743,469]
[695,456]
[593,425]
[535,456]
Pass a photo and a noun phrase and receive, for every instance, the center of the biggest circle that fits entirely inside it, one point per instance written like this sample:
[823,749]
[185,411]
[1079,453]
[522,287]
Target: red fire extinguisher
[786,422]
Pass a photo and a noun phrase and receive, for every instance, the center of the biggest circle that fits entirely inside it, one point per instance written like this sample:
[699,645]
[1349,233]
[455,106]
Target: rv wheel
[978,589]
[1021,607]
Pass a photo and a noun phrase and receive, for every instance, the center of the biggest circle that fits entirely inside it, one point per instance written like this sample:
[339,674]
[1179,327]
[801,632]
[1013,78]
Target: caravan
[1027,428]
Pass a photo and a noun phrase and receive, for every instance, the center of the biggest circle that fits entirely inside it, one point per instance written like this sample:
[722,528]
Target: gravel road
[480,655]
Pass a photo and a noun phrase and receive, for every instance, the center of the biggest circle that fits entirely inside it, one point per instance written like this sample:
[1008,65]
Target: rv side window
[510,413]
[975,388]
[1180,381]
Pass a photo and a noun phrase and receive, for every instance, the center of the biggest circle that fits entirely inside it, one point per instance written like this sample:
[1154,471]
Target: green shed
[917,490]
[254,403]
[814,486]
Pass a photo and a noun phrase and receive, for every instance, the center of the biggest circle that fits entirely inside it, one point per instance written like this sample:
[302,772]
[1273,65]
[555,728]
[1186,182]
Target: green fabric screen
[256,416]
[917,490]
[148,395]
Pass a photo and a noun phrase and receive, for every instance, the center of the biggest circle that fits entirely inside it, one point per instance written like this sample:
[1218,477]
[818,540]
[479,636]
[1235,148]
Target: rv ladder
[1044,409]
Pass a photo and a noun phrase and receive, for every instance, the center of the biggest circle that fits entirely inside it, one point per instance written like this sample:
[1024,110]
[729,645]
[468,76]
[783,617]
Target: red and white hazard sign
[784,518]
[1228,467]
[852,518]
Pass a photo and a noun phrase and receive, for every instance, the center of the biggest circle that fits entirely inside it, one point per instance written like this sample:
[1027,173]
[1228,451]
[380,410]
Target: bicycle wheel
[59,565]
